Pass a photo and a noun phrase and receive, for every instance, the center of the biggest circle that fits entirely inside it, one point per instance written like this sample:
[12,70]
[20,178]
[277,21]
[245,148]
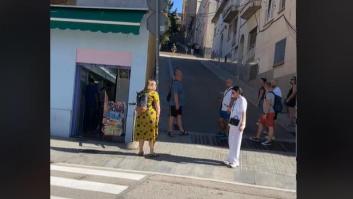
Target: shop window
[280,50]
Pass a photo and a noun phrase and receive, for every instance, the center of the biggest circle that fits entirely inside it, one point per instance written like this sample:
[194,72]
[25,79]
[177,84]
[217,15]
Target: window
[280,50]
[282,5]
[230,29]
[235,27]
[270,8]
[252,38]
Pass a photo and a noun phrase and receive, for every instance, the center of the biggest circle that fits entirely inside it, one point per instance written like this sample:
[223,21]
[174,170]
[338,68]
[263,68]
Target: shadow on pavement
[161,156]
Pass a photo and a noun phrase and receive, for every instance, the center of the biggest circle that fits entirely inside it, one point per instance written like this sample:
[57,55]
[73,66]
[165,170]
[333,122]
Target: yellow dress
[146,122]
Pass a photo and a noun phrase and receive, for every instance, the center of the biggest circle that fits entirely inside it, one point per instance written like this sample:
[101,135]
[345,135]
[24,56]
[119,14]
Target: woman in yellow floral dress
[146,128]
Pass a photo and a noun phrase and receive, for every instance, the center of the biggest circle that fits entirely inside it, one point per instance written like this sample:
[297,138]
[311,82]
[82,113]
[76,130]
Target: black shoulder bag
[234,120]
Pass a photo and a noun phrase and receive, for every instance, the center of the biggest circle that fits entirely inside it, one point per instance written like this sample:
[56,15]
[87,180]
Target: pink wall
[93,56]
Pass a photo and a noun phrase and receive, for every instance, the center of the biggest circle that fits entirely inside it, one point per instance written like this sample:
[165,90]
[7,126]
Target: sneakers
[230,165]
[226,162]
[233,165]
[273,138]
[267,143]
[255,139]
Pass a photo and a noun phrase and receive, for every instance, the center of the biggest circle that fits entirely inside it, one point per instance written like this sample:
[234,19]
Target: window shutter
[280,50]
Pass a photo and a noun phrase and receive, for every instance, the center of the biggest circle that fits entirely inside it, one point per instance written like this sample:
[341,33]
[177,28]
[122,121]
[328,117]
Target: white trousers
[234,142]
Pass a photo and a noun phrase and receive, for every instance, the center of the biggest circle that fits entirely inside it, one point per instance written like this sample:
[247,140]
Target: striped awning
[96,19]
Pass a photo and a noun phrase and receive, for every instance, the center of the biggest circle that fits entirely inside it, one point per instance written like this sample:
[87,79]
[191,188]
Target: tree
[172,23]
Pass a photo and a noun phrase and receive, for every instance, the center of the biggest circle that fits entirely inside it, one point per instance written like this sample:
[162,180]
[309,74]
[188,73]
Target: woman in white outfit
[237,124]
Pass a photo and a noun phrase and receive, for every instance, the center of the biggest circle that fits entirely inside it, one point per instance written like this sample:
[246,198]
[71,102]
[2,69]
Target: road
[86,182]
[202,89]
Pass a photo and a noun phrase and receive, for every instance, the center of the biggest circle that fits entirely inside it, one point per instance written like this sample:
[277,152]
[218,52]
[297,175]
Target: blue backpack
[278,106]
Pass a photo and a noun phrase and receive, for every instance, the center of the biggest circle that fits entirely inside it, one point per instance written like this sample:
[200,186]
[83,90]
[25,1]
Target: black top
[292,101]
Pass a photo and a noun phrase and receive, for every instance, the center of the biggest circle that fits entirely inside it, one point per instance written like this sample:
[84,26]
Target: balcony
[250,8]
[230,13]
[219,10]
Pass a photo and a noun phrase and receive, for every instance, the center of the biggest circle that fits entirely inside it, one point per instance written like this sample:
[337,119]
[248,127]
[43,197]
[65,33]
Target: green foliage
[172,23]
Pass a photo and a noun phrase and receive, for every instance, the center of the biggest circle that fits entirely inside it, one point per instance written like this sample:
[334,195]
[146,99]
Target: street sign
[151,23]
[152,4]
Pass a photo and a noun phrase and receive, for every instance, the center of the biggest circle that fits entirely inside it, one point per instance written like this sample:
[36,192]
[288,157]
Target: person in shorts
[176,104]
[267,119]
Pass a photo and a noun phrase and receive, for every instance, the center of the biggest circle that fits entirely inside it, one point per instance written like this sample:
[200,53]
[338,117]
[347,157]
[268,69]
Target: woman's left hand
[241,127]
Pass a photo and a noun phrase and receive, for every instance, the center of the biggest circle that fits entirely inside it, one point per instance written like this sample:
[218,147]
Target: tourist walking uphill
[237,124]
[267,119]
[148,118]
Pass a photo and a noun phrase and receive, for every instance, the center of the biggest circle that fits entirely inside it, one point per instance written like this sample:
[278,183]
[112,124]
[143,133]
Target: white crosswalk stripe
[66,180]
[87,185]
[112,174]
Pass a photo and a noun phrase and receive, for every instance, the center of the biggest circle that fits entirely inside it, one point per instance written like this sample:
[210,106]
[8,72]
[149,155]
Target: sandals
[140,154]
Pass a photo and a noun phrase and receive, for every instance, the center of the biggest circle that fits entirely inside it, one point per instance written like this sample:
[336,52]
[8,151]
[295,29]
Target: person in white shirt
[276,89]
[225,108]
[238,112]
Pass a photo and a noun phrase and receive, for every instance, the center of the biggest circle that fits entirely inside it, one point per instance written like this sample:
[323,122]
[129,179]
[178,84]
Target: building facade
[190,9]
[259,35]
[226,32]
[117,41]
[204,28]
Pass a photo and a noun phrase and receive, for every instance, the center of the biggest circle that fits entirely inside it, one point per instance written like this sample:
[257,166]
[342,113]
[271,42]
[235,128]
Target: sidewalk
[182,158]
[250,92]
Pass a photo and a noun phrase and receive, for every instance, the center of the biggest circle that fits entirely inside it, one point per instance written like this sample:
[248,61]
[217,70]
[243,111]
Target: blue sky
[178,4]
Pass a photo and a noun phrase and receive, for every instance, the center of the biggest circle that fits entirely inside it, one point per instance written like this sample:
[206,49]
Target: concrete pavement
[179,157]
[89,182]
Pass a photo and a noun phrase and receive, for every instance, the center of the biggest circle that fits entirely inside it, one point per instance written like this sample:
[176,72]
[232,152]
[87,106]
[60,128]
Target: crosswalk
[78,181]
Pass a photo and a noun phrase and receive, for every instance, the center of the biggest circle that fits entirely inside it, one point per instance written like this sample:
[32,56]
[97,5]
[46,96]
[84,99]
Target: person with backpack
[267,119]
[277,91]
[147,120]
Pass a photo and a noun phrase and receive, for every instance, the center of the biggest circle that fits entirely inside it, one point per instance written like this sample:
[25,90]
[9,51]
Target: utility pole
[157,43]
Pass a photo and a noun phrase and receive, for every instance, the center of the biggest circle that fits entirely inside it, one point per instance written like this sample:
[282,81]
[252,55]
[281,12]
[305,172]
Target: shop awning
[96,19]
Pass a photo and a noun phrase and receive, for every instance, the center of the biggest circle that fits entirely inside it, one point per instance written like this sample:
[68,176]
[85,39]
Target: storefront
[106,46]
